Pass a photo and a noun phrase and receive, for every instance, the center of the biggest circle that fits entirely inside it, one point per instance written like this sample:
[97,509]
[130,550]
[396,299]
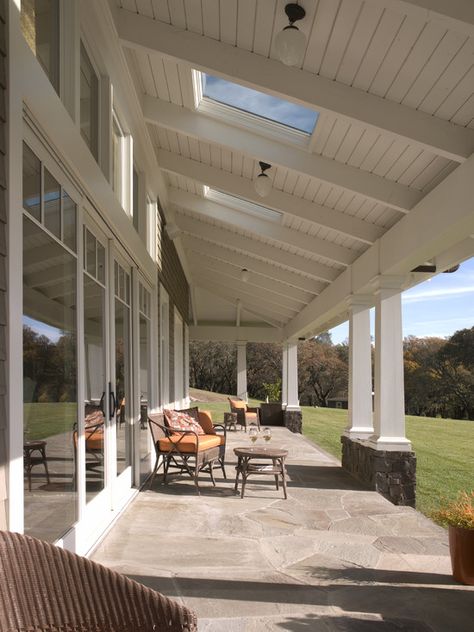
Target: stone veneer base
[392,474]
[293,420]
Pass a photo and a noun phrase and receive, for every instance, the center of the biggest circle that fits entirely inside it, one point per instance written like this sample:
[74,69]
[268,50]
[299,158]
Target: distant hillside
[199,395]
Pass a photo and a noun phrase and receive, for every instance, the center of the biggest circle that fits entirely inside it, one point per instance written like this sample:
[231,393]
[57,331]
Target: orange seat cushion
[94,439]
[188,443]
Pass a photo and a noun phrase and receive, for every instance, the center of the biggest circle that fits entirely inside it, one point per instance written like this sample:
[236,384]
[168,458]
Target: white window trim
[151,227]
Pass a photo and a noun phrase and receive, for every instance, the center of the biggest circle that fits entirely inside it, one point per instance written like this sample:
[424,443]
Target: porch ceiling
[392,82]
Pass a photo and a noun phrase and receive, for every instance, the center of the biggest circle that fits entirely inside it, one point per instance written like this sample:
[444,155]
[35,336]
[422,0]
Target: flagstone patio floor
[334,557]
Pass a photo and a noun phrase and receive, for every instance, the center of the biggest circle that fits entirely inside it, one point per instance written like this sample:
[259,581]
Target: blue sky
[438,307]
[258,103]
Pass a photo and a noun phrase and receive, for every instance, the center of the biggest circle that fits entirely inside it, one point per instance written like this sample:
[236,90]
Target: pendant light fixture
[263,184]
[290,43]
[244,275]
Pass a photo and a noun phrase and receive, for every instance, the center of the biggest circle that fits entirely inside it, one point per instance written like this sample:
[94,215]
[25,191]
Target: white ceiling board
[212,308]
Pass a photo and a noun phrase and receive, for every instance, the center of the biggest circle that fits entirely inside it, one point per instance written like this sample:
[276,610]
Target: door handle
[112,402]
[101,403]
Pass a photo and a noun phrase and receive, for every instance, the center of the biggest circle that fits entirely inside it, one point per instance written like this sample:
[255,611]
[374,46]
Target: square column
[389,417]
[242,370]
[292,411]
[360,424]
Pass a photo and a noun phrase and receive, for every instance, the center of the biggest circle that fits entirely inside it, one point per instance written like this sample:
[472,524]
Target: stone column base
[293,420]
[392,474]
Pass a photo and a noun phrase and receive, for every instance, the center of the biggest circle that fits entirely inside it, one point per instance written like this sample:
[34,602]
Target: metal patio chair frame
[191,463]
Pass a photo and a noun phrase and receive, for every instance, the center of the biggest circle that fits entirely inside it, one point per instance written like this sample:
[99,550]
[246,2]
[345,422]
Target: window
[89,109]
[264,106]
[243,205]
[40,27]
[47,201]
[122,165]
[136,203]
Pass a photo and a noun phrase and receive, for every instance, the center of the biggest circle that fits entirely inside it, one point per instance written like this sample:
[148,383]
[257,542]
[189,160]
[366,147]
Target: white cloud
[437,294]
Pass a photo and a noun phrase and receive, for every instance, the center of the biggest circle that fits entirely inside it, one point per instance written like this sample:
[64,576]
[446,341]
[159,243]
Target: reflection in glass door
[121,395]
[142,433]
[94,363]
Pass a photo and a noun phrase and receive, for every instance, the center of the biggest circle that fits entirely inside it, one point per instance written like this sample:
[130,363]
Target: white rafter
[295,296]
[223,236]
[262,227]
[276,200]
[244,291]
[310,90]
[264,268]
[208,129]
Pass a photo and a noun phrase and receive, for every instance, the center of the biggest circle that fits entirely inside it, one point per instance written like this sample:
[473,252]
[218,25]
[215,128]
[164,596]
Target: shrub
[457,513]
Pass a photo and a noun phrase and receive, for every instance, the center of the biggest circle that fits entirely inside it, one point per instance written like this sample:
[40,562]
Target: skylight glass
[260,104]
[240,204]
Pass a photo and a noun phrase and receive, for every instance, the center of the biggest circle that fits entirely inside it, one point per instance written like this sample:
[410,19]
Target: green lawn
[45,420]
[444,449]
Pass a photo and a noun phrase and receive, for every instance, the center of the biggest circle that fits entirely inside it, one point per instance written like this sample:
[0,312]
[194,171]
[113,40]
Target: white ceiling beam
[254,247]
[276,200]
[440,222]
[266,269]
[296,297]
[262,227]
[298,86]
[211,130]
[229,333]
[271,302]
[455,14]
[249,304]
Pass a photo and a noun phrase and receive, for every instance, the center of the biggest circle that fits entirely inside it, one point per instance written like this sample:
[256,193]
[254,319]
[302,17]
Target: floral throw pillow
[182,421]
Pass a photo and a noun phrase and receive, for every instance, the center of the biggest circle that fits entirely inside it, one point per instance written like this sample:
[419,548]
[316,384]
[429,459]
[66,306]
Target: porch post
[384,461]
[242,370]
[360,424]
[284,376]
[292,413]
[293,402]
[389,417]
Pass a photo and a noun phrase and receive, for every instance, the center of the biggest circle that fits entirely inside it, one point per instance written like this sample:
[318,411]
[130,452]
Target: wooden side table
[30,459]
[230,421]
[245,467]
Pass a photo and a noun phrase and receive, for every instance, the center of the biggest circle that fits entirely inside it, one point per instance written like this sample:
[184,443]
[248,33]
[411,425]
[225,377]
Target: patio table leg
[237,474]
[283,476]
[274,461]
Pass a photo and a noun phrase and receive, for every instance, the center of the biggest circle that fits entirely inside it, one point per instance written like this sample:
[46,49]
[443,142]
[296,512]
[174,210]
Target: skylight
[240,204]
[263,105]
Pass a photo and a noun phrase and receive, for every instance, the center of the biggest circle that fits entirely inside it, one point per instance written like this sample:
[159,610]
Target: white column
[186,366]
[360,424]
[284,376]
[293,402]
[389,417]
[242,370]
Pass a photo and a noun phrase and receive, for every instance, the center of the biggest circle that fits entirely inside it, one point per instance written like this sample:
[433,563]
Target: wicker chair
[45,588]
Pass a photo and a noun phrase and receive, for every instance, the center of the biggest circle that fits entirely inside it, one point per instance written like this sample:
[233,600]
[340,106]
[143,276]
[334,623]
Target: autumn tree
[323,370]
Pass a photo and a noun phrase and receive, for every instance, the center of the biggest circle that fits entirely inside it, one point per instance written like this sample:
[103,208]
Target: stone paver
[334,557]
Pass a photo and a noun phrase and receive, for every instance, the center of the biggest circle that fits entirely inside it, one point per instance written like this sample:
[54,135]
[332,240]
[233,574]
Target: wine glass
[267,434]
[253,434]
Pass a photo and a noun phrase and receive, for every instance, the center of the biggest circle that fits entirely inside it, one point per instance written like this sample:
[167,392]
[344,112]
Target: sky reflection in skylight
[258,103]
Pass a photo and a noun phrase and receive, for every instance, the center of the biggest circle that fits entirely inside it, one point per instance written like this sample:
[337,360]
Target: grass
[48,419]
[444,449]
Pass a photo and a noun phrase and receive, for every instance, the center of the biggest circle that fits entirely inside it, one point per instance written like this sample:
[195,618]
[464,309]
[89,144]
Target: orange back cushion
[237,403]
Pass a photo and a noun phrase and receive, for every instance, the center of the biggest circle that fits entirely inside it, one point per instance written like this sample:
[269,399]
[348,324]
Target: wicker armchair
[45,588]
[246,415]
[186,451]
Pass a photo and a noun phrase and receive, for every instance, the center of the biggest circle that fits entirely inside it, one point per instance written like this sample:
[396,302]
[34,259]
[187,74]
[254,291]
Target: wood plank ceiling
[391,50]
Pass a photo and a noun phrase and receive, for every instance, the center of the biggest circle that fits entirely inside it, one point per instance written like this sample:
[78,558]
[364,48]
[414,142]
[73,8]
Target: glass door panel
[123,367]
[144,437]
[95,377]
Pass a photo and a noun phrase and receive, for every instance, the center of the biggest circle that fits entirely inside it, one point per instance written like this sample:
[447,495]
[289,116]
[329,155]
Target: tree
[323,371]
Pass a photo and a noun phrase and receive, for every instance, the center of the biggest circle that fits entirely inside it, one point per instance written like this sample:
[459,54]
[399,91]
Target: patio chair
[186,450]
[246,415]
[45,588]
